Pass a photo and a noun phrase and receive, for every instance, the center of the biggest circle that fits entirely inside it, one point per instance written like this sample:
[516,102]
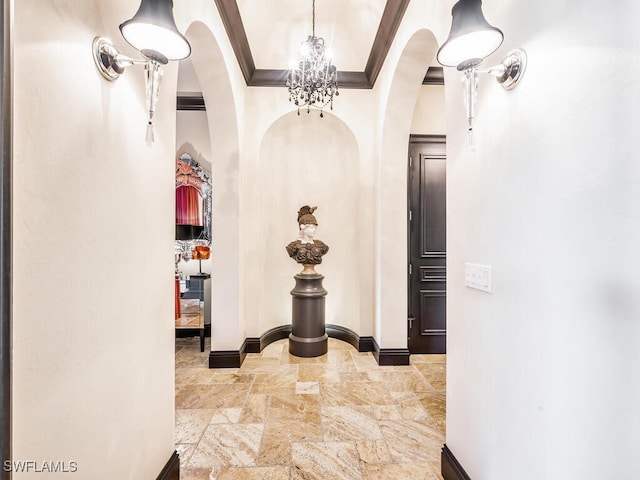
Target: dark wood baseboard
[234,358]
[344,334]
[451,468]
[228,358]
[390,356]
[253,344]
[366,344]
[257,344]
[171,470]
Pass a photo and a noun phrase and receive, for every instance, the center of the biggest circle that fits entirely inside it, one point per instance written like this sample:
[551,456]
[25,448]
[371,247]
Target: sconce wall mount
[471,39]
[108,59]
[510,71]
[153,32]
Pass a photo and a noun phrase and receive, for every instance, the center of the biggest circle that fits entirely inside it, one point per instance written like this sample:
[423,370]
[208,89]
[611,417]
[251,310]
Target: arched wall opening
[304,160]
[391,258]
[227,327]
[192,138]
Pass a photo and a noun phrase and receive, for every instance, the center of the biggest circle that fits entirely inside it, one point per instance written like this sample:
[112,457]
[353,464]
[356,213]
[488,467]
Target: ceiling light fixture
[312,80]
[470,40]
[153,32]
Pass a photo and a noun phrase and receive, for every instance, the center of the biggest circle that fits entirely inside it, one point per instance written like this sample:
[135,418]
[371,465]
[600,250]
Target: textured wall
[93,344]
[542,373]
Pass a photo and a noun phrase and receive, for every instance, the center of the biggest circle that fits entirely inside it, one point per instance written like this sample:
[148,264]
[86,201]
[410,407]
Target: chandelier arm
[313,18]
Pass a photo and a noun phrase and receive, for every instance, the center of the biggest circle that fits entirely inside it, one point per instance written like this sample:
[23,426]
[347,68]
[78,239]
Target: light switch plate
[477,276]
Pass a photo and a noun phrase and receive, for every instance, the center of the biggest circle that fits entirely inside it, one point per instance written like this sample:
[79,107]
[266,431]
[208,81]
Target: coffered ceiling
[266,34]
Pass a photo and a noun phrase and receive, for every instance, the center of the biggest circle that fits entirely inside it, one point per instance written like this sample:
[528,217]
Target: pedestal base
[308,347]
[308,337]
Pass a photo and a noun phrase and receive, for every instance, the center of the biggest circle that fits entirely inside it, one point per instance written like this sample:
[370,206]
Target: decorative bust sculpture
[306,250]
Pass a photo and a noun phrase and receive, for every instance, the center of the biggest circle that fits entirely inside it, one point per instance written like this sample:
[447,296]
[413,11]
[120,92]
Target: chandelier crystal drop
[313,80]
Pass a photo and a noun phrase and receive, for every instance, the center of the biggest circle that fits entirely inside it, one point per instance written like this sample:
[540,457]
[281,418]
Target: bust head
[307,232]
[306,250]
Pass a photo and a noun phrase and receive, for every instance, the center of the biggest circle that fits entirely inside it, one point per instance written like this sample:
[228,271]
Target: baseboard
[366,344]
[234,358]
[390,356]
[171,470]
[451,468]
[344,334]
[228,358]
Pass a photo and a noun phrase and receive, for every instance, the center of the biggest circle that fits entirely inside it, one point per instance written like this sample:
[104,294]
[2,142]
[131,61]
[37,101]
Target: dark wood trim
[451,468]
[278,78]
[230,15]
[390,356]
[234,358]
[366,344]
[268,78]
[190,103]
[344,334]
[354,80]
[257,344]
[253,344]
[5,236]
[228,358]
[421,138]
[171,470]
[389,23]
[277,333]
[434,76]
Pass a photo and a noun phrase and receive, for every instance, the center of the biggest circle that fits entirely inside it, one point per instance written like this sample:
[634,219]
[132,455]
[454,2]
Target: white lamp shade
[471,36]
[153,31]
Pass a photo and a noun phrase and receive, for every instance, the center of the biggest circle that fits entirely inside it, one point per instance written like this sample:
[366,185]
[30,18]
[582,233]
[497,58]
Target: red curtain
[188,206]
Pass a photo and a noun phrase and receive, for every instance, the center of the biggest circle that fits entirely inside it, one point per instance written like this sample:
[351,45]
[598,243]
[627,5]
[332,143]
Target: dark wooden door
[427,268]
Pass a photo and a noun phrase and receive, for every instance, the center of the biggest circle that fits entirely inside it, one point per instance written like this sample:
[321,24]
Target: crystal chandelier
[313,80]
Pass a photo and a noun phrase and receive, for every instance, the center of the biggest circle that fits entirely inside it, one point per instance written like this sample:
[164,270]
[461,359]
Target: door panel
[427,244]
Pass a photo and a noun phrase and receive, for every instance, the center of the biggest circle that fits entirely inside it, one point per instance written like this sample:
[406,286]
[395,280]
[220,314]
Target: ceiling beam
[230,15]
[389,23]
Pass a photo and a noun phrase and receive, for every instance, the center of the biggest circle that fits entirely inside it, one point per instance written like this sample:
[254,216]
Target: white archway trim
[227,326]
[391,183]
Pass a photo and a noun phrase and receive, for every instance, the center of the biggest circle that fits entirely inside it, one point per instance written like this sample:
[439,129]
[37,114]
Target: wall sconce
[153,32]
[470,40]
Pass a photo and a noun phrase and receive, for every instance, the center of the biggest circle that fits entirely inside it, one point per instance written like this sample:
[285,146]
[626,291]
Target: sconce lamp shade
[153,32]
[471,38]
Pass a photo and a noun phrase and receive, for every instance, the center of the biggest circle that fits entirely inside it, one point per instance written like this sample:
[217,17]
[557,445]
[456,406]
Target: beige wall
[93,344]
[429,116]
[542,373]
[93,321]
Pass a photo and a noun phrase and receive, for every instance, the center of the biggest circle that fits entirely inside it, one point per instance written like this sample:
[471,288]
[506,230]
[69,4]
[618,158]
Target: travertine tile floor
[339,416]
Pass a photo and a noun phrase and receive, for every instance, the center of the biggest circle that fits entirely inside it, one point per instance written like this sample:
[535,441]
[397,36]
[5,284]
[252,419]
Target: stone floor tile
[339,416]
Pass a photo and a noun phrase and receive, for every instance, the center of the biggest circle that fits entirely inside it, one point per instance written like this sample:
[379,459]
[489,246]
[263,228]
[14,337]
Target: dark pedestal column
[308,337]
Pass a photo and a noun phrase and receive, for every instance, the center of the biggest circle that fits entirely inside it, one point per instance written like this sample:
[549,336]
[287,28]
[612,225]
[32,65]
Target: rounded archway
[227,328]
[304,160]
[391,258]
